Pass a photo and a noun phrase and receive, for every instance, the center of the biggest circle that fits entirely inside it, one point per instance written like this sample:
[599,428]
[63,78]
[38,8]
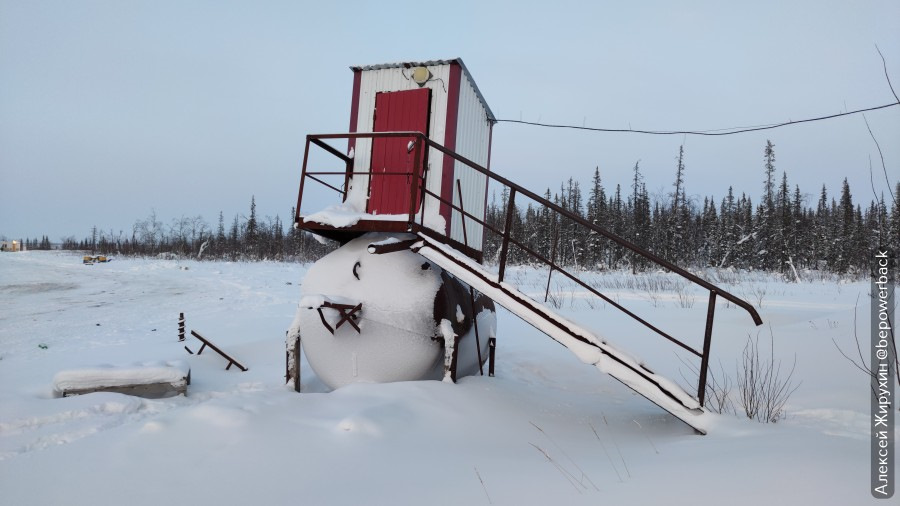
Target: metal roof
[411,64]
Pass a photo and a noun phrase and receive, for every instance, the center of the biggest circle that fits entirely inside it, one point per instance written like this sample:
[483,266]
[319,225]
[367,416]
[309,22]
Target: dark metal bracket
[216,349]
[348,312]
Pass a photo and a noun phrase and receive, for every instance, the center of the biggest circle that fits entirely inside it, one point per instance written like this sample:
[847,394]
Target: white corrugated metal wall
[472,141]
[393,79]
[473,130]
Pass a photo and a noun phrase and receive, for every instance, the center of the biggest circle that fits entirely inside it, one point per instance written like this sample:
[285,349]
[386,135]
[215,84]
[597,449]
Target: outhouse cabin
[438,98]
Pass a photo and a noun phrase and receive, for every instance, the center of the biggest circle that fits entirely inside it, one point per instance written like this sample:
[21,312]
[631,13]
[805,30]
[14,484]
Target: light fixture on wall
[421,75]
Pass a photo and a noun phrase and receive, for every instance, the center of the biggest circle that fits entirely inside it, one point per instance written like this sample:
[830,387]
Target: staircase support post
[504,248]
[462,217]
[707,340]
[552,261]
[414,179]
[302,181]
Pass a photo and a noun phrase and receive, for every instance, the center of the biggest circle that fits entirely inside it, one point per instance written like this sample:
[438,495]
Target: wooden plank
[146,390]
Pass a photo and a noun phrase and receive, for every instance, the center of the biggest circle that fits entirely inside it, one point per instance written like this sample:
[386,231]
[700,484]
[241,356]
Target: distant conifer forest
[784,230]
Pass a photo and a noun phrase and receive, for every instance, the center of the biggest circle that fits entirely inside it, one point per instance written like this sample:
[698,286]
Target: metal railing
[421,142]
[418,164]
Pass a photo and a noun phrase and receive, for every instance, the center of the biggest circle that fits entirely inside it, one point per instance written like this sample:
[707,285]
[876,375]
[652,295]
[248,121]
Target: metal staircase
[463,261]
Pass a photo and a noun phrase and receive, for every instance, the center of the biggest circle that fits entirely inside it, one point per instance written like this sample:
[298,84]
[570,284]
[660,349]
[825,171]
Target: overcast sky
[109,109]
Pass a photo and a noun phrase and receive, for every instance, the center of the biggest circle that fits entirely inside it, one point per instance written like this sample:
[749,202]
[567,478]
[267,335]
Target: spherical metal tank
[367,317]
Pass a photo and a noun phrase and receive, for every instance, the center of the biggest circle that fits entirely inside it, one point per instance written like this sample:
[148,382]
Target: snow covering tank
[367,316]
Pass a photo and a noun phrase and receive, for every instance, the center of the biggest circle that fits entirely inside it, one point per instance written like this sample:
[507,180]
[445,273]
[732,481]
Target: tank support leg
[451,351]
[477,337]
[454,358]
[492,345]
[292,360]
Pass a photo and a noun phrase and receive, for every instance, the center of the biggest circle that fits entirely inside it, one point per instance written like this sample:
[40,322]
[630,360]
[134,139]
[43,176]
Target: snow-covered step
[587,346]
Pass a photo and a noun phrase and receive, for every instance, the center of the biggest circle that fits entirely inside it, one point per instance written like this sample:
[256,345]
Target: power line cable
[715,132]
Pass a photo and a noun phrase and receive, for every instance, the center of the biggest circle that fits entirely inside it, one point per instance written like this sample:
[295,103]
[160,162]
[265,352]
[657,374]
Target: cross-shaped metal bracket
[349,314]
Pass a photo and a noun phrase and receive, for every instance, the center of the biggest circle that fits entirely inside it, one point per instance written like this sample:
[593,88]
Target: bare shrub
[757,293]
[685,299]
[718,392]
[557,294]
[653,297]
[862,364]
[763,389]
[555,299]
[718,388]
[723,276]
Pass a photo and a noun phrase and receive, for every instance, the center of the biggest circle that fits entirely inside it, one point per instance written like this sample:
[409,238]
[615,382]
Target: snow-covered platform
[151,380]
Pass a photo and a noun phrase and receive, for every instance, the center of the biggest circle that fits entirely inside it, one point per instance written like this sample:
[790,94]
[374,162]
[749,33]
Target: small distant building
[10,246]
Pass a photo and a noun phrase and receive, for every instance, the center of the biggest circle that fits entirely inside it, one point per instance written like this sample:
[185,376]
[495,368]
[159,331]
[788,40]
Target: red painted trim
[354,108]
[447,172]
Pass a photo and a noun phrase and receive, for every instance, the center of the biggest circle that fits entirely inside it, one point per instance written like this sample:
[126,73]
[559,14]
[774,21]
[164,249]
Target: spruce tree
[801,230]
[746,251]
[234,239]
[784,227]
[617,216]
[638,226]
[577,235]
[251,234]
[859,252]
[596,215]
[727,229]
[676,226]
[547,229]
[822,238]
[846,229]
[220,243]
[292,248]
[708,235]
[277,239]
[765,237]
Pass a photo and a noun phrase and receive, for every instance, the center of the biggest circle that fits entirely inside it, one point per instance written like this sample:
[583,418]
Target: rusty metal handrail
[415,191]
[421,190]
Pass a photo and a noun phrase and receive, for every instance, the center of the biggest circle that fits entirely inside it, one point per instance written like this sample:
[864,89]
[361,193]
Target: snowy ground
[546,430]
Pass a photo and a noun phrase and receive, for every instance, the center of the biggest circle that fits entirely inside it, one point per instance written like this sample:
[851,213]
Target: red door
[395,112]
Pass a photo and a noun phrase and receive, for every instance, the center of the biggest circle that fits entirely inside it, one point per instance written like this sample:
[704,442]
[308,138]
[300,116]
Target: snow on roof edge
[408,64]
